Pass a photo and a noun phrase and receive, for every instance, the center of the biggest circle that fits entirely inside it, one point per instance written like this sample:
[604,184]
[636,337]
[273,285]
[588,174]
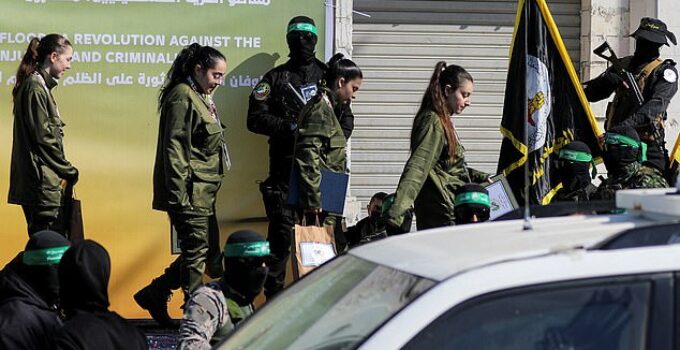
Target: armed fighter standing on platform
[657,81]
[275,104]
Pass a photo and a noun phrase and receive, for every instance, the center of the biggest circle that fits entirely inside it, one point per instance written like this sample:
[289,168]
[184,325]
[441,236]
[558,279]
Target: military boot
[154,299]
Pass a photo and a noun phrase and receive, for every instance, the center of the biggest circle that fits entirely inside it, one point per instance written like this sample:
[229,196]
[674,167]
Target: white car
[577,282]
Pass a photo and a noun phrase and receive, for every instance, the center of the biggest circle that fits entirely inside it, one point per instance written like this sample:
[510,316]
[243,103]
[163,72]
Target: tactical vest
[622,97]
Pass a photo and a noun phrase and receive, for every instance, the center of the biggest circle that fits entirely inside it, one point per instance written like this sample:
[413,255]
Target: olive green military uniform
[187,174]
[320,145]
[210,315]
[38,161]
[633,176]
[430,177]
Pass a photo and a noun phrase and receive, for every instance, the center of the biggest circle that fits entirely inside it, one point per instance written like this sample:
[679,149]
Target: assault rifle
[605,51]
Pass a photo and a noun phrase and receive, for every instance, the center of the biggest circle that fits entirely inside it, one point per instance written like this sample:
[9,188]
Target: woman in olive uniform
[320,142]
[436,166]
[39,171]
[190,161]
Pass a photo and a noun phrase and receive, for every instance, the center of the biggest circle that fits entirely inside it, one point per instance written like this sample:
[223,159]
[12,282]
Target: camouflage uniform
[580,195]
[209,315]
[633,176]
[430,178]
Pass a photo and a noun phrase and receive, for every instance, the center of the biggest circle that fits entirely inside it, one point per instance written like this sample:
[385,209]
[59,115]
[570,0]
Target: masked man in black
[84,273]
[658,83]
[574,169]
[274,106]
[216,308]
[29,293]
[471,204]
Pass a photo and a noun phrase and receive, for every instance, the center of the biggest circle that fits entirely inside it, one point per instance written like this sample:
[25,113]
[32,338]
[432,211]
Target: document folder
[333,190]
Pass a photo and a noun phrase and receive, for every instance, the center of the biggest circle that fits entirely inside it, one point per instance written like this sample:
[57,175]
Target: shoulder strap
[641,78]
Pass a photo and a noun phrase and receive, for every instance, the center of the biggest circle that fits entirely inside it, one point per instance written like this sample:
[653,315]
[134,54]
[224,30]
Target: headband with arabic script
[473,198]
[247,249]
[47,256]
[622,140]
[304,27]
[575,156]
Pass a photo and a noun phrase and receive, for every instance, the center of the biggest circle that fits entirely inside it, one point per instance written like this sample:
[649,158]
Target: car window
[333,308]
[583,318]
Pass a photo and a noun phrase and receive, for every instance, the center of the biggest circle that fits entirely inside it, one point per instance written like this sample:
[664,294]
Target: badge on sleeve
[670,75]
[261,91]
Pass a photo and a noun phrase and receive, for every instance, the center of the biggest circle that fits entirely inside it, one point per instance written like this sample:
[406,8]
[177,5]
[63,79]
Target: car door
[632,312]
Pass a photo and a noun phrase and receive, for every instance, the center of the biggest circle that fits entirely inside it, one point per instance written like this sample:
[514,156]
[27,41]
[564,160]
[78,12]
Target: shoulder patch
[261,91]
[670,75]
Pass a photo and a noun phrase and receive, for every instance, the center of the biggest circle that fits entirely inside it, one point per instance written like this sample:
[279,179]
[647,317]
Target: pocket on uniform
[337,142]
[213,139]
[204,189]
[49,179]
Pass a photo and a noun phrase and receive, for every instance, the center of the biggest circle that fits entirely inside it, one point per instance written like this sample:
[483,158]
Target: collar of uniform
[231,293]
[49,80]
[332,96]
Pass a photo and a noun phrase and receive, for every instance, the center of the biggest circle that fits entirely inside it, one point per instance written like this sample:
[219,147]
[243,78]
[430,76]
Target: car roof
[441,253]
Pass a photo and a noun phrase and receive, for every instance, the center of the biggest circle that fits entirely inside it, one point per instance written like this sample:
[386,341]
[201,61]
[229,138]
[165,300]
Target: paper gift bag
[312,246]
[75,224]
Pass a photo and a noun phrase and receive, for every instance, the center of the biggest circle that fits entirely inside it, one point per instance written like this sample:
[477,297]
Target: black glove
[73,178]
[612,78]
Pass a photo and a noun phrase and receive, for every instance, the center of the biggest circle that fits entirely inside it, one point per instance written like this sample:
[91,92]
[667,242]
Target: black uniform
[84,273]
[659,87]
[658,82]
[273,110]
[26,320]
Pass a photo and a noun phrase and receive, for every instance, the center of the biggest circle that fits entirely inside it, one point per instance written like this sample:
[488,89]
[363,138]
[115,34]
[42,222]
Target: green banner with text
[108,101]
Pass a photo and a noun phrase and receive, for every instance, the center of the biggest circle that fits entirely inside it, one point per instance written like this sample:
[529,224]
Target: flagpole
[525,108]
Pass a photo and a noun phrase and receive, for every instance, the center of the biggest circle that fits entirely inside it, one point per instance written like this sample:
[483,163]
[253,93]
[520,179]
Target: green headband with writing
[247,249]
[622,140]
[47,256]
[575,156]
[617,139]
[303,27]
[473,198]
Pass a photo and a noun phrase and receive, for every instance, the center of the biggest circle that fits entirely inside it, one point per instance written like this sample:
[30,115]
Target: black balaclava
[243,271]
[301,42]
[39,262]
[84,273]
[470,200]
[617,157]
[645,51]
[574,175]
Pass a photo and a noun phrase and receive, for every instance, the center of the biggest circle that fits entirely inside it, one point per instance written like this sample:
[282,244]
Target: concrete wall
[669,12]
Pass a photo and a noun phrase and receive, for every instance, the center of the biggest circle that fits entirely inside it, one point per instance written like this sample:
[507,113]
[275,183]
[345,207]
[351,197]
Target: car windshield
[333,308]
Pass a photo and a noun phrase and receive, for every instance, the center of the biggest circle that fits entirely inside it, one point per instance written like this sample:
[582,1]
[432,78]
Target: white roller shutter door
[397,48]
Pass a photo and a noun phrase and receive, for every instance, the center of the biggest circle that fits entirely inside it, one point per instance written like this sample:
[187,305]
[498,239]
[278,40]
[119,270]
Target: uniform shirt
[274,108]
[188,169]
[38,160]
[430,178]
[633,176]
[320,145]
[209,316]
[658,88]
